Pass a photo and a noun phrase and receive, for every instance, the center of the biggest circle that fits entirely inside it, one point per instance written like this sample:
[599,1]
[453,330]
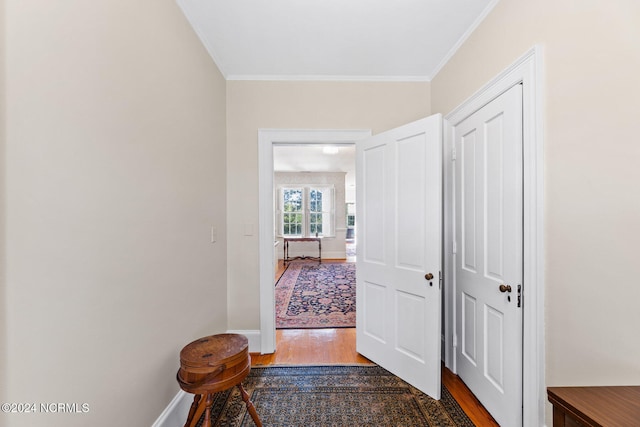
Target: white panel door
[399,199]
[489,258]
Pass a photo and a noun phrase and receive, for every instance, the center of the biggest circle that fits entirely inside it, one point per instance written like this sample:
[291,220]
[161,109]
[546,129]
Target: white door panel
[469,329]
[373,310]
[488,224]
[372,167]
[399,205]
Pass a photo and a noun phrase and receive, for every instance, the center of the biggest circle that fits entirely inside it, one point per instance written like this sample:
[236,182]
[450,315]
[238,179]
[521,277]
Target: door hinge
[454,248]
[519,295]
[453,154]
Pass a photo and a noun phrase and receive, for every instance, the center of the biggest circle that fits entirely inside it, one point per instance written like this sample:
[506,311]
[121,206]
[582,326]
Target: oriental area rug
[313,295]
[319,396]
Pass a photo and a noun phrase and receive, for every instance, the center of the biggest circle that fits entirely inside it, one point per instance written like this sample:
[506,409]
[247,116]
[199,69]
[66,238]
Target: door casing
[526,70]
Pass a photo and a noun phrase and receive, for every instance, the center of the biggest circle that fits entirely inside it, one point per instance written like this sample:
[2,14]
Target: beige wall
[592,207]
[298,105]
[3,312]
[115,169]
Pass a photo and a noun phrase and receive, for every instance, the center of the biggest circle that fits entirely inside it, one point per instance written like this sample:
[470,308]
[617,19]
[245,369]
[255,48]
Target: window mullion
[306,216]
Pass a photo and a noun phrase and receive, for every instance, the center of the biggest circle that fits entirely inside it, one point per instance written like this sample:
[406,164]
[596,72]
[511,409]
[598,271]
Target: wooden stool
[210,365]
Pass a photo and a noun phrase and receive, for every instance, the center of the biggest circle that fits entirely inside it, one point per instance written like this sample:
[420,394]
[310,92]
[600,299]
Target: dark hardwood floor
[338,346]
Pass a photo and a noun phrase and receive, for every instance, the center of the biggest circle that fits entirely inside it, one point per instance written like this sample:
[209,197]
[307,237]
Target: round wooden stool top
[214,363]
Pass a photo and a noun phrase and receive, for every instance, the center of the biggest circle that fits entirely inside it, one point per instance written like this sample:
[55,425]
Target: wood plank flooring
[313,347]
[338,346]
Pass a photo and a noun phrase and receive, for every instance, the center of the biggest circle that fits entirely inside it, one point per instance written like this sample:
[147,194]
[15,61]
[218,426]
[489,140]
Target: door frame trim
[267,138]
[528,71]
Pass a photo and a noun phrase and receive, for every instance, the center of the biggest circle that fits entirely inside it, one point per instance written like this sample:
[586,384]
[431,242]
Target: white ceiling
[394,40]
[373,40]
[311,158]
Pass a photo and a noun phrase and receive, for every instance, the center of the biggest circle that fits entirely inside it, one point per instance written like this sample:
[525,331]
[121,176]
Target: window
[351,214]
[315,212]
[292,212]
[306,211]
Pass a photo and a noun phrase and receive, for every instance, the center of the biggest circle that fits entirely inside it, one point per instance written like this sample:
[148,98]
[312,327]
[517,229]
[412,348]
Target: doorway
[313,183]
[267,139]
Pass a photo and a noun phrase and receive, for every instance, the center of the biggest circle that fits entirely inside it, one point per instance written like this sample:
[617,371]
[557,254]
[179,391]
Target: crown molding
[327,78]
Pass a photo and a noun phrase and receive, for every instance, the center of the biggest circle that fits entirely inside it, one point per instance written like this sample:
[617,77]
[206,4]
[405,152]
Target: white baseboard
[334,254]
[176,413]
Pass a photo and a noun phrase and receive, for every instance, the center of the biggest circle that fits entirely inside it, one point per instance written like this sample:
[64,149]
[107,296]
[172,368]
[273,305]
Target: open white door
[399,199]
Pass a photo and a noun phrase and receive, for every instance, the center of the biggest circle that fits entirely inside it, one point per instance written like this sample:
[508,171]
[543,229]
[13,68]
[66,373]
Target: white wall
[292,105]
[592,207]
[115,172]
[332,247]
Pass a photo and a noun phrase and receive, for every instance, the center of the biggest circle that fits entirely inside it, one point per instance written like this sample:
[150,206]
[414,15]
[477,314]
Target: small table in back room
[287,240]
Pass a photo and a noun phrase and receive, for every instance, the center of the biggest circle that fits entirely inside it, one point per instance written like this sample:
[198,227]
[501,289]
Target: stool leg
[200,411]
[250,407]
[207,411]
[192,411]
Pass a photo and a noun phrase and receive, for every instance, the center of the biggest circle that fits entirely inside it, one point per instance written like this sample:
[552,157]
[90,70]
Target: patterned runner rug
[319,396]
[312,295]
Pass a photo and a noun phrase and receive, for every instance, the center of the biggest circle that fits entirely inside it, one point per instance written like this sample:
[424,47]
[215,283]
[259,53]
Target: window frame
[328,216]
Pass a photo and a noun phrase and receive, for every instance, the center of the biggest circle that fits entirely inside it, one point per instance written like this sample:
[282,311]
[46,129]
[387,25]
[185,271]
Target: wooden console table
[617,406]
[287,240]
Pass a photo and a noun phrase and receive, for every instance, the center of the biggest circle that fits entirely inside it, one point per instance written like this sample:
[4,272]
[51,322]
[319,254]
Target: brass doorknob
[505,288]
[428,276]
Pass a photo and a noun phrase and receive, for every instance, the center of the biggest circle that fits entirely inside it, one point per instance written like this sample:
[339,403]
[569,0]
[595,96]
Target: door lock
[429,277]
